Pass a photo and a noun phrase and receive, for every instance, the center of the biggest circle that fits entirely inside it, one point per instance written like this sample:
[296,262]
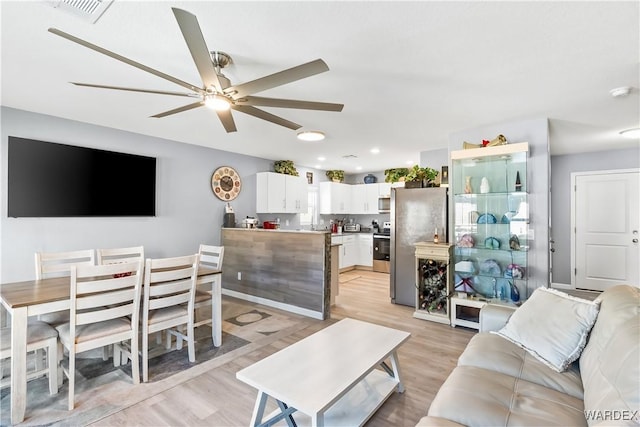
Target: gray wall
[561,169]
[536,133]
[187,211]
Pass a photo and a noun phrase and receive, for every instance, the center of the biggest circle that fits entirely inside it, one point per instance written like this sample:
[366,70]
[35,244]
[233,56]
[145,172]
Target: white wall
[187,211]
[561,169]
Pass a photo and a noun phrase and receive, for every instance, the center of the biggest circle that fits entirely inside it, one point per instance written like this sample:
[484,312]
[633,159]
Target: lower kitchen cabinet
[365,250]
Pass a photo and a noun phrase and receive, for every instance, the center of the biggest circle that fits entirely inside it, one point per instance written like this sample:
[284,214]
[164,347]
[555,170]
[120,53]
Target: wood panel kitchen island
[286,269]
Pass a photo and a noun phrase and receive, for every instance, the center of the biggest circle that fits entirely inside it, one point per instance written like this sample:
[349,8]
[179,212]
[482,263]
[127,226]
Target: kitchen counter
[287,269]
[279,230]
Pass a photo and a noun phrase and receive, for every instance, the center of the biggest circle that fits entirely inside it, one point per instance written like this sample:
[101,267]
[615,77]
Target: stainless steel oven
[382,249]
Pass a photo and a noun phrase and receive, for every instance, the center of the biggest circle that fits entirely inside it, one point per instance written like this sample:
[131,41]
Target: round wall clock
[225,183]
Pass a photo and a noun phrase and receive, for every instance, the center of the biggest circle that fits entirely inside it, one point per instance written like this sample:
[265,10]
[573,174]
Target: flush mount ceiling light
[620,91]
[310,135]
[631,133]
[217,102]
[375,150]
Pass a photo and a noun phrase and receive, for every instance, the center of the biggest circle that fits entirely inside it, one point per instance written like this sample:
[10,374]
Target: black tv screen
[57,180]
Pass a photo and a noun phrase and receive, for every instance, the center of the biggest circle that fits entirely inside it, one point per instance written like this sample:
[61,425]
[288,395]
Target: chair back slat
[211,256]
[116,255]
[95,316]
[100,299]
[54,264]
[163,276]
[164,302]
[106,283]
[161,289]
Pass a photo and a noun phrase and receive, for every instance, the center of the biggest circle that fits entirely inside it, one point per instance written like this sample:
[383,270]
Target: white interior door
[606,221]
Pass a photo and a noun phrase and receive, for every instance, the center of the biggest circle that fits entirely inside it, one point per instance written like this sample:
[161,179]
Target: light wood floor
[216,398]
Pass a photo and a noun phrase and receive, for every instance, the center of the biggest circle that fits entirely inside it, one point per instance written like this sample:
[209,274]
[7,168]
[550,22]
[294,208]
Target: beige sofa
[497,383]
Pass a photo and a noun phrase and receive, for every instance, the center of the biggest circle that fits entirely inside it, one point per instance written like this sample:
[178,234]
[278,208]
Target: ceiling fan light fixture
[633,133]
[311,135]
[217,102]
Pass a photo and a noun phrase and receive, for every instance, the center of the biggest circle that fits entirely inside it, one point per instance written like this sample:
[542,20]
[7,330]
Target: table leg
[18,364]
[258,409]
[395,364]
[216,311]
[317,420]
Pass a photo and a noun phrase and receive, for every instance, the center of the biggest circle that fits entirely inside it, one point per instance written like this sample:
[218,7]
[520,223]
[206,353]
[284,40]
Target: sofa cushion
[474,396]
[610,363]
[492,352]
[552,326]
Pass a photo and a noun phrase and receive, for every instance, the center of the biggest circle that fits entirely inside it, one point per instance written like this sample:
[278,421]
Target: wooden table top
[32,292]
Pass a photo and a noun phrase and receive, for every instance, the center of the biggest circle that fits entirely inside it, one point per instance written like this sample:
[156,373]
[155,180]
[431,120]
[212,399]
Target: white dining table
[34,297]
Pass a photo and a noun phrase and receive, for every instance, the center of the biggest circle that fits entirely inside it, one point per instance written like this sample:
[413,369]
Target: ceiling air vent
[89,10]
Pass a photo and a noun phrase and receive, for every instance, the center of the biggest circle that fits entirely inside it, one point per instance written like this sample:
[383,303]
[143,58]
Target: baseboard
[562,286]
[275,304]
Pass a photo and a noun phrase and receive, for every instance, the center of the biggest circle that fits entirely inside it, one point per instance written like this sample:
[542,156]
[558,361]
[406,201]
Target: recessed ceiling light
[322,159]
[631,133]
[311,135]
[358,168]
[317,166]
[410,162]
[375,150]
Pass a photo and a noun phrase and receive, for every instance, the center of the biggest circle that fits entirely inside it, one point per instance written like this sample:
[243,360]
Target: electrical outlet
[239,275]
[286,223]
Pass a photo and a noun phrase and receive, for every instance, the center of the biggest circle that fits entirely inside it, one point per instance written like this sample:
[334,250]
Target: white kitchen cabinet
[349,253]
[335,198]
[365,250]
[364,198]
[280,193]
[384,189]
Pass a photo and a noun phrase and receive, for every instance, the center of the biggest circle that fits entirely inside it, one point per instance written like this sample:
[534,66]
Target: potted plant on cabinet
[335,175]
[395,175]
[420,177]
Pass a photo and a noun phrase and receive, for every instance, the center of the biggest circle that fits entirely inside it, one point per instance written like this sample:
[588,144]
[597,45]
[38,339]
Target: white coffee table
[330,375]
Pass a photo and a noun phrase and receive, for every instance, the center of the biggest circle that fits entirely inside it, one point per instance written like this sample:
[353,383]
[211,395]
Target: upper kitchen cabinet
[491,222]
[335,198]
[384,189]
[364,199]
[281,193]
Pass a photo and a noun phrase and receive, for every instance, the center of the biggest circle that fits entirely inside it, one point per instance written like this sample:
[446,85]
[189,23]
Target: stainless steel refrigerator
[415,215]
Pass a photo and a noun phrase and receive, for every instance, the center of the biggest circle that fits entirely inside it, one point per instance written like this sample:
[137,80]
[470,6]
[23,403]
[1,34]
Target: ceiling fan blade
[256,112]
[125,60]
[179,109]
[227,120]
[195,42]
[289,103]
[278,79]
[159,92]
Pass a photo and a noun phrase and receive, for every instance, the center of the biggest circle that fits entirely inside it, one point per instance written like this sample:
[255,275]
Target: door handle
[635,240]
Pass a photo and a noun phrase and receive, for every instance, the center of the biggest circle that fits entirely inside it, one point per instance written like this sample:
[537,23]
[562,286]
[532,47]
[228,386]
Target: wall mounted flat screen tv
[46,179]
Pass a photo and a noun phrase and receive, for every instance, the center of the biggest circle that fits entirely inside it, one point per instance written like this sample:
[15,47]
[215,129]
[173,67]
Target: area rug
[102,389]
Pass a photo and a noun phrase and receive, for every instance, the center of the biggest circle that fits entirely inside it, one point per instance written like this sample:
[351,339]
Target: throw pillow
[552,326]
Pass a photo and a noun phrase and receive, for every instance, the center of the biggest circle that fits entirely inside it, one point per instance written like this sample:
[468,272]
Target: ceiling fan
[216,90]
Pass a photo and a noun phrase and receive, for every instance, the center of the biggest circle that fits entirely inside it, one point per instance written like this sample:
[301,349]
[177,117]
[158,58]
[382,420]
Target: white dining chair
[106,256]
[53,264]
[168,299]
[105,310]
[211,258]
[40,337]
[112,255]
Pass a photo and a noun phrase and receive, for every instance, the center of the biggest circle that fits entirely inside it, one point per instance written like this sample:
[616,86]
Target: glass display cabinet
[490,229]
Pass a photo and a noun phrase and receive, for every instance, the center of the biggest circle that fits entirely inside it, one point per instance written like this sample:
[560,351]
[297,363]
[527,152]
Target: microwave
[384,204]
